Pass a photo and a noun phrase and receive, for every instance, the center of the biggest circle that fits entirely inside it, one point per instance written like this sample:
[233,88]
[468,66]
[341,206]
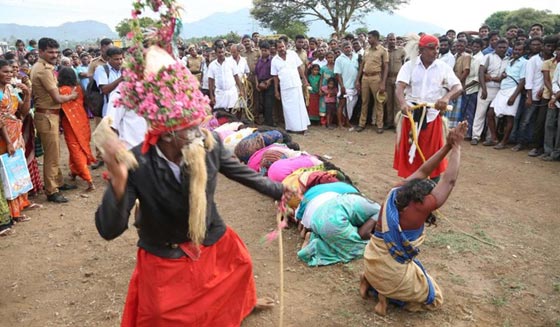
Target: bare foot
[302,232]
[90,188]
[381,307]
[306,239]
[364,286]
[264,303]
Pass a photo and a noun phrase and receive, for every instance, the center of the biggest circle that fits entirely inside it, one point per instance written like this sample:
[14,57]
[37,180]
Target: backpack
[94,99]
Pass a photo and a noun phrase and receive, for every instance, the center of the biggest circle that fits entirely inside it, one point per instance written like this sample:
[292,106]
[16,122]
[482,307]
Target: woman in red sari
[11,138]
[76,128]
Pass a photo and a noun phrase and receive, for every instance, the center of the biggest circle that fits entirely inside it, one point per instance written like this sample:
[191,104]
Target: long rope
[414,130]
[415,140]
[245,105]
[281,250]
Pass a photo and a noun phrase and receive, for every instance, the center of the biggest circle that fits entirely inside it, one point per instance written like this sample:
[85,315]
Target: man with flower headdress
[423,79]
[192,269]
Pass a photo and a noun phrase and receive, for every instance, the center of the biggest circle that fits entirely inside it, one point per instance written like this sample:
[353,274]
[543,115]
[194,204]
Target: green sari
[334,230]
[5,218]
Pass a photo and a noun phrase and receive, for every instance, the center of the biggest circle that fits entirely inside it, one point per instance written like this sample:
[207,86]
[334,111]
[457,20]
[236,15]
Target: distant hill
[241,22]
[72,31]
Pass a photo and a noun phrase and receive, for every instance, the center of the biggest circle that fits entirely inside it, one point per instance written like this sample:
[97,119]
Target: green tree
[337,14]
[124,26]
[496,20]
[524,18]
[362,29]
[293,29]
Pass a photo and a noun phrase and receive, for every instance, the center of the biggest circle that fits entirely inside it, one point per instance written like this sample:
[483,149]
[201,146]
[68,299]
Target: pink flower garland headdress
[156,85]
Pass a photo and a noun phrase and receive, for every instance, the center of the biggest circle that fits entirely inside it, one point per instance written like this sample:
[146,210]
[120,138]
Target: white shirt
[175,169]
[101,78]
[223,74]
[321,63]
[287,70]
[534,78]
[131,127]
[347,68]
[495,66]
[242,66]
[426,84]
[473,73]
[448,58]
[556,84]
[204,76]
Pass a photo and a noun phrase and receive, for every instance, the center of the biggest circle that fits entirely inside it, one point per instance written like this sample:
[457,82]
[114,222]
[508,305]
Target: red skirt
[430,141]
[216,290]
[313,108]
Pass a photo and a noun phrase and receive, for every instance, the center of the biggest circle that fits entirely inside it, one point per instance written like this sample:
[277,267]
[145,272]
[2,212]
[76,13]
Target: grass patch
[512,285]
[556,287]
[457,243]
[457,280]
[482,235]
[499,301]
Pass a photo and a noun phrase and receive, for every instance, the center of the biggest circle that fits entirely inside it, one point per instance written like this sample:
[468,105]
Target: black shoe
[67,187]
[57,198]
[98,164]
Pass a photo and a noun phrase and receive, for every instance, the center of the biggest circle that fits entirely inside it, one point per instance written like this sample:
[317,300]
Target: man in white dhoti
[288,80]
[223,81]
[506,102]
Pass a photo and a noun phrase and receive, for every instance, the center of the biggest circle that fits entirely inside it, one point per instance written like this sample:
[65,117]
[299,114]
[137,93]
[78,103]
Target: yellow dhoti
[404,282]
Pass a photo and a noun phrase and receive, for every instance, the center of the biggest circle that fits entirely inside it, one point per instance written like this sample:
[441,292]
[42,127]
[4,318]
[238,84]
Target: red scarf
[155,131]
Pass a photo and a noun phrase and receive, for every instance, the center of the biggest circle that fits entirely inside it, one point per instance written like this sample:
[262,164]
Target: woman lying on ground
[337,221]
[391,268]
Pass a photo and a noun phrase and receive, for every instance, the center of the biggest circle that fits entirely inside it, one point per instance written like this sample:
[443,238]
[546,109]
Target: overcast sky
[458,15]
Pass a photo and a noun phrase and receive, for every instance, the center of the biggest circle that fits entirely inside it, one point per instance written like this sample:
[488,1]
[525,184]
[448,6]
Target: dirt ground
[57,271]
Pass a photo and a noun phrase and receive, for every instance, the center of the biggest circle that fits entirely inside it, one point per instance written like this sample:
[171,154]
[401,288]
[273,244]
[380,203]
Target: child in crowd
[313,77]
[329,93]
[327,72]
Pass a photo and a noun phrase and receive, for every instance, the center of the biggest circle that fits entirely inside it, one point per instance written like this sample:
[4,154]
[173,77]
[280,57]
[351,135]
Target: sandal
[489,143]
[499,146]
[7,232]
[21,219]
[34,206]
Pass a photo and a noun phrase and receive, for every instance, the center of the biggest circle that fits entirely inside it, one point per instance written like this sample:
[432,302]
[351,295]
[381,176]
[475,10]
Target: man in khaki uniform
[47,101]
[396,60]
[373,76]
[194,62]
[252,55]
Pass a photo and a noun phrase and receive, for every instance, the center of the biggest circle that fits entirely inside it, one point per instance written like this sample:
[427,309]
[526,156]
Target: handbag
[15,175]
